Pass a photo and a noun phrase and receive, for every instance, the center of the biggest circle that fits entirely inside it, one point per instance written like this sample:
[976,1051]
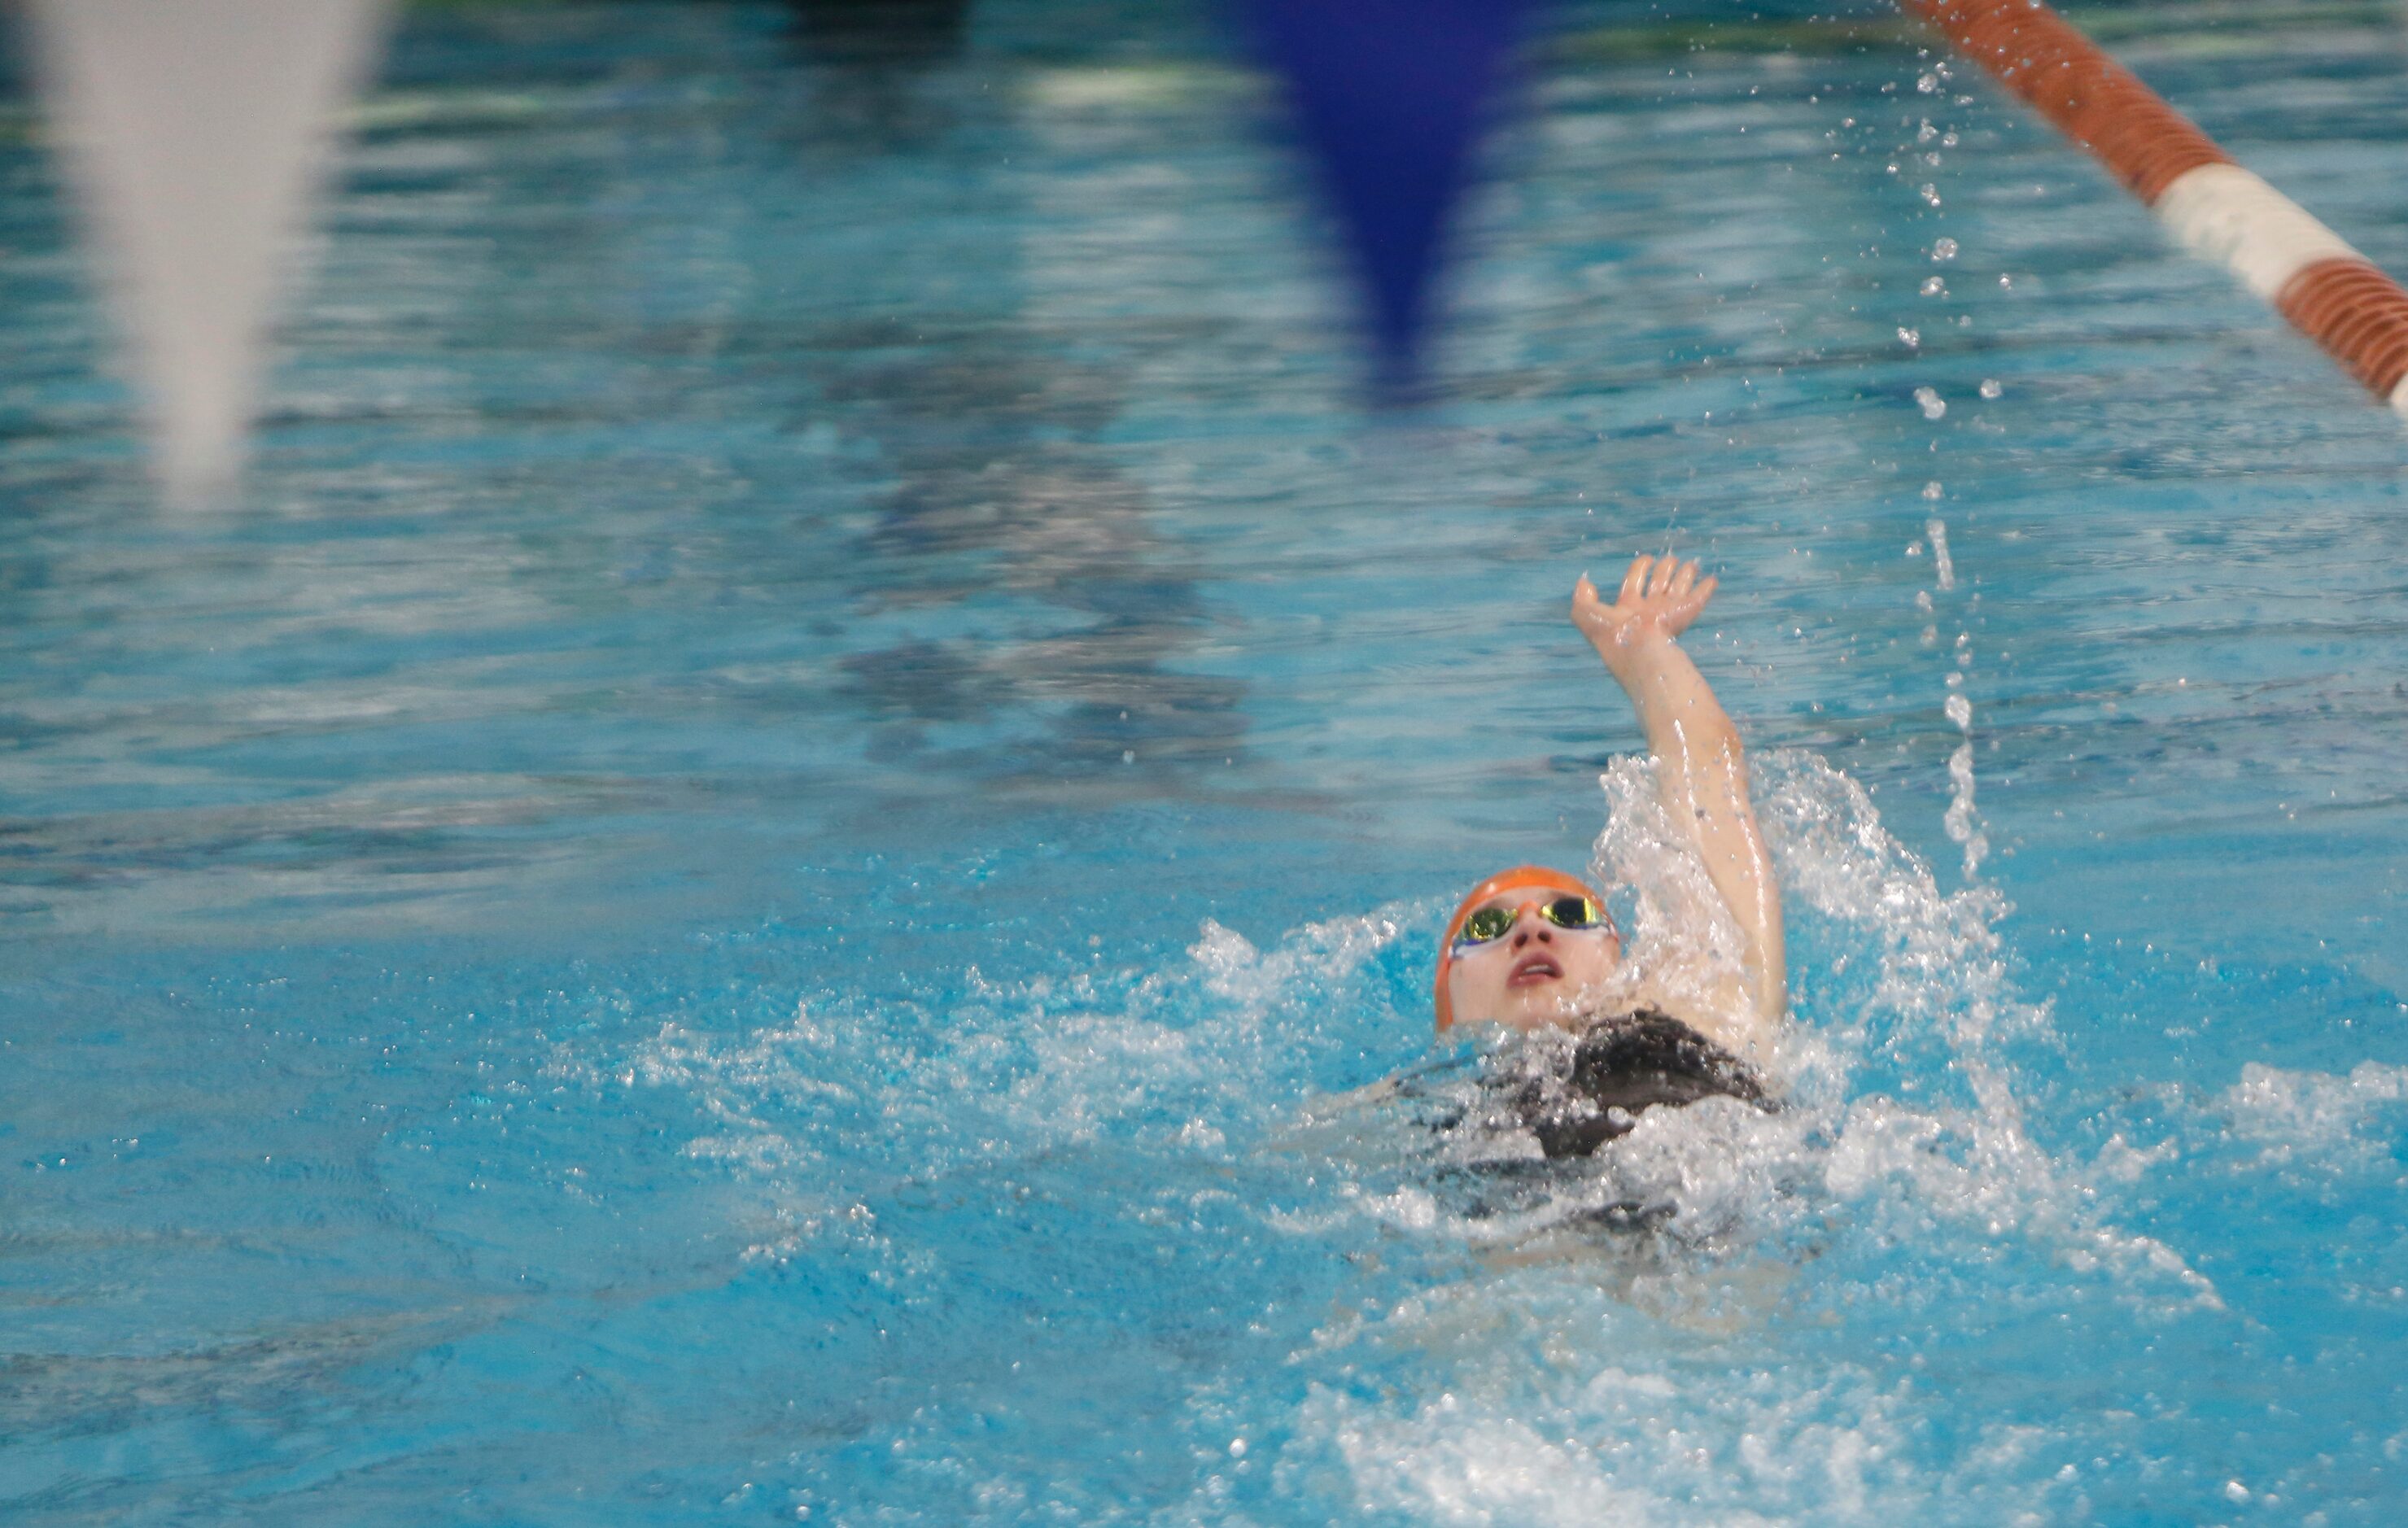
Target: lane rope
[2213,206]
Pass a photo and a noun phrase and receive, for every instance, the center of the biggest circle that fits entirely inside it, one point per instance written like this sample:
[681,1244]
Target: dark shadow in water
[872,57]
[880,33]
[998,487]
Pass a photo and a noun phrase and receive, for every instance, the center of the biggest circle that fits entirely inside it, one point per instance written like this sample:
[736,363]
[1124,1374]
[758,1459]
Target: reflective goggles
[1569,910]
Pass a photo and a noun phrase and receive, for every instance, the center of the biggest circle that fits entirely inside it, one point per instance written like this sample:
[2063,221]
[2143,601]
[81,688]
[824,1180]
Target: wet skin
[1535,974]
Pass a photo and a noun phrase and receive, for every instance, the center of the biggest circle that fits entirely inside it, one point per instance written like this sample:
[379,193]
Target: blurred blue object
[1389,97]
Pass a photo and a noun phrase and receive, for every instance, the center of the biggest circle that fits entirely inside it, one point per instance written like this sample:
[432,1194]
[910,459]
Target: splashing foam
[825,1112]
[2312,1116]
[1626,1444]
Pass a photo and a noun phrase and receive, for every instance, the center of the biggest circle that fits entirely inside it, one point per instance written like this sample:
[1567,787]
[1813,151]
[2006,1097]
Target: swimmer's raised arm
[1703,769]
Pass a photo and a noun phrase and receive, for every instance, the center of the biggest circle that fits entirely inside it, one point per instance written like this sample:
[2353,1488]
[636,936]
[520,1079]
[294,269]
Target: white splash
[196,133]
[2300,1118]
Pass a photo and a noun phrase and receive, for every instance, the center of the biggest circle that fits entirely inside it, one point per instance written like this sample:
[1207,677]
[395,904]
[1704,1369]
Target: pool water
[749,881]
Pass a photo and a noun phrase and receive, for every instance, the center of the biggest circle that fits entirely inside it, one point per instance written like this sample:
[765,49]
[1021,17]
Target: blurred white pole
[195,134]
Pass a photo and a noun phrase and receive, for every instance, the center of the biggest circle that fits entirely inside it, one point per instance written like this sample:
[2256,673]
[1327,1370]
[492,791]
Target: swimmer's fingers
[1680,596]
[1634,583]
[1588,612]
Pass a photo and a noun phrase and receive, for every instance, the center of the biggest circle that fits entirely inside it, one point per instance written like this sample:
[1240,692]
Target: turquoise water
[739,888]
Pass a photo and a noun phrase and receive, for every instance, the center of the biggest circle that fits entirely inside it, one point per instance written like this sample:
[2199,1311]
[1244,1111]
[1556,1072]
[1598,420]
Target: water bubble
[1933,403]
[1926,133]
[1931,491]
[1929,84]
[1943,249]
[1990,388]
[2007,282]
[1929,193]
[1934,287]
[1909,337]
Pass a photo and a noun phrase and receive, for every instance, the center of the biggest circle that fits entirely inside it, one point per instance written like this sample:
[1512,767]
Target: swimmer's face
[1534,973]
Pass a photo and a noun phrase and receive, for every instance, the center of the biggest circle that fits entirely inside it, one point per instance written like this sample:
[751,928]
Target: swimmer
[1534,949]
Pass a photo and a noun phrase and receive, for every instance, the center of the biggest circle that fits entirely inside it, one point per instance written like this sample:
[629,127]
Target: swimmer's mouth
[1532,969]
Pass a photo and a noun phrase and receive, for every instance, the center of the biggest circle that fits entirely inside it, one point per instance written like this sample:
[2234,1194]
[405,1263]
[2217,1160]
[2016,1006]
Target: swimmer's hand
[1660,597]
[1700,775]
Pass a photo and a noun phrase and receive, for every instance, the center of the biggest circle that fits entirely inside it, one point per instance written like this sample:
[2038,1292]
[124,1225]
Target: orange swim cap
[1518,879]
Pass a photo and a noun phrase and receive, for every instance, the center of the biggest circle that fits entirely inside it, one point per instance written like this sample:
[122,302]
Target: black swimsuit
[1619,1068]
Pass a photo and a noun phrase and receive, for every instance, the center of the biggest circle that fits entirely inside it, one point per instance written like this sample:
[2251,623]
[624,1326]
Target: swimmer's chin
[1552,1003]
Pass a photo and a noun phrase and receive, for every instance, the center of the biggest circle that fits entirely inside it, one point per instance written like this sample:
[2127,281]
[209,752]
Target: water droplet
[1128,755]
[1929,193]
[2007,281]
[1929,84]
[1933,403]
[1934,287]
[1931,491]
[1909,338]
[1990,388]
[1943,249]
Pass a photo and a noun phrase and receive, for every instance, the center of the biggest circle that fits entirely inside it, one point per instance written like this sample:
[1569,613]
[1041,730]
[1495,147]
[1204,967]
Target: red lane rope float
[2359,315]
[2328,290]
[2066,78]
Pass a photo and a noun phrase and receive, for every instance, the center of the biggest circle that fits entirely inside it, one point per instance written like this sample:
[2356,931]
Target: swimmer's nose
[1531,926]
